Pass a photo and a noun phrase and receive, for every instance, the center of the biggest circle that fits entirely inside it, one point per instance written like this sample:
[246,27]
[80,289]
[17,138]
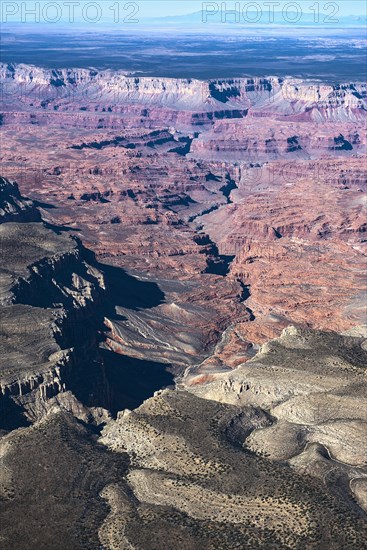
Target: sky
[180,7]
[20,11]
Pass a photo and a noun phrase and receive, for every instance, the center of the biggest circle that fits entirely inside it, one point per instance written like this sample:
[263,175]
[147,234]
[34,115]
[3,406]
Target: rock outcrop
[48,297]
[14,207]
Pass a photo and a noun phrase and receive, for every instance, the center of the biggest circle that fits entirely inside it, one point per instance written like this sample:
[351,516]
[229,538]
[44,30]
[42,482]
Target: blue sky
[178,7]
[14,10]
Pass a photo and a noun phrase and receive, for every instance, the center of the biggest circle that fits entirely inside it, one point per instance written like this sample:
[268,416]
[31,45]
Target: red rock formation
[243,200]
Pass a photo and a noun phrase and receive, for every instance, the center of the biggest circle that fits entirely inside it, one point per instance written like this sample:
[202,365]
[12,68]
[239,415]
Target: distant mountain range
[254,18]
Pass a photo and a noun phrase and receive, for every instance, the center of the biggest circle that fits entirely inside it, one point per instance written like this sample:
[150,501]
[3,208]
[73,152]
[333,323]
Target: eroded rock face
[14,207]
[111,91]
[48,293]
[55,302]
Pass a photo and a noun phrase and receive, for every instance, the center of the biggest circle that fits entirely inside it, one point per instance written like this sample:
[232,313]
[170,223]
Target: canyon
[256,186]
[183,311]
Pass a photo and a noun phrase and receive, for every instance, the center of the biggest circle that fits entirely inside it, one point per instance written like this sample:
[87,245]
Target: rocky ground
[149,257]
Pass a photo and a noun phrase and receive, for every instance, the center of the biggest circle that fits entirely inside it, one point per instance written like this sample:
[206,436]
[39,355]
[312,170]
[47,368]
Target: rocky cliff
[109,91]
[48,297]
[14,207]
